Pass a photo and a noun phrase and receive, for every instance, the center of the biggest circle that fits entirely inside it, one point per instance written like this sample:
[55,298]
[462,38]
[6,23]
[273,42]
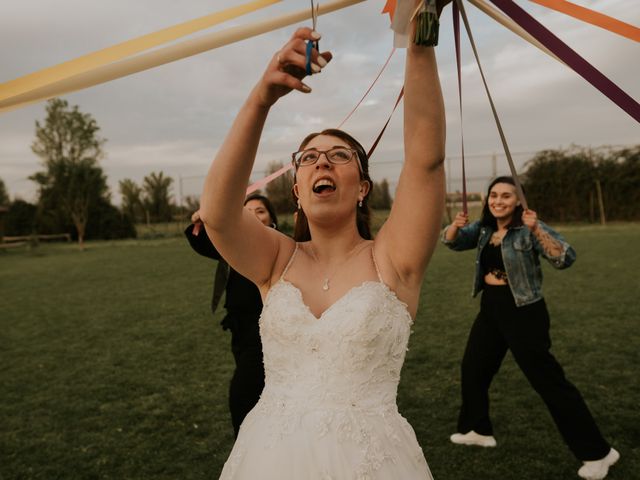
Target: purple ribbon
[570,57]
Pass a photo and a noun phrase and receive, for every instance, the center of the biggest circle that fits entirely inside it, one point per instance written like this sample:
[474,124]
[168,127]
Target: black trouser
[499,326]
[248,378]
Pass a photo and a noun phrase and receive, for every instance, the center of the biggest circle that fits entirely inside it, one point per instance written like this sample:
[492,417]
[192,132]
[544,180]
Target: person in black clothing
[513,316]
[244,305]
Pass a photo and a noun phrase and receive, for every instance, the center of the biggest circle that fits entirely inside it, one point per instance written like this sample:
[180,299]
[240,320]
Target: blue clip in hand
[312,44]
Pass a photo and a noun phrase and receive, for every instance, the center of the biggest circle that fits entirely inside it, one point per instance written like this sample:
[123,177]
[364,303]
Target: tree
[279,190]
[157,197]
[4,195]
[73,182]
[380,196]
[131,199]
[108,222]
[192,204]
[20,219]
[67,135]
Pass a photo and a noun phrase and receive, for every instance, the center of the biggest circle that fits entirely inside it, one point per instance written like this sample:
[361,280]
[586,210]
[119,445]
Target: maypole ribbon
[505,21]
[570,57]
[377,140]
[404,12]
[390,8]
[269,178]
[311,44]
[125,49]
[512,167]
[594,18]
[456,36]
[368,89]
[164,55]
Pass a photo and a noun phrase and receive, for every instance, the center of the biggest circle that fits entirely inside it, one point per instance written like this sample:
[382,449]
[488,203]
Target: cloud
[174,118]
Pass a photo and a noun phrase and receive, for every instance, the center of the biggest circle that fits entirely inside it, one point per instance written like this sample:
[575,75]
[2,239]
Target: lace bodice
[351,355]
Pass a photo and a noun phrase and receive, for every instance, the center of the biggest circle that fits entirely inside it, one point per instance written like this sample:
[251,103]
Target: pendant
[325,286]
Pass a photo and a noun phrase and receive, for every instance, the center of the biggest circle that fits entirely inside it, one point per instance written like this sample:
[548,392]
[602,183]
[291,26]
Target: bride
[338,307]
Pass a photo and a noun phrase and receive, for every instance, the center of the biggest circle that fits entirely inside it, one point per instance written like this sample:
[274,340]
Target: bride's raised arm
[250,247]
[409,236]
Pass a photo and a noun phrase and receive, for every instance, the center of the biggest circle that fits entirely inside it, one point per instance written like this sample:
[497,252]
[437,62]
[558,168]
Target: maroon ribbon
[503,138]
[456,31]
[375,143]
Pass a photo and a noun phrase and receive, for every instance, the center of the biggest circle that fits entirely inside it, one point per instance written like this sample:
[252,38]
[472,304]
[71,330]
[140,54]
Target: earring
[360,203]
[299,207]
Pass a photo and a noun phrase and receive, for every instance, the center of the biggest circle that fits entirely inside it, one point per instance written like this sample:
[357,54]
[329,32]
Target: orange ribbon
[390,8]
[594,18]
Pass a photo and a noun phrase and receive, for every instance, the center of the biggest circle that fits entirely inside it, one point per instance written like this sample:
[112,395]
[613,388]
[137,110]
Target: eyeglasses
[335,155]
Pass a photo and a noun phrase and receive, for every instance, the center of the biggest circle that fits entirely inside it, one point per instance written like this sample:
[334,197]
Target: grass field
[113,368]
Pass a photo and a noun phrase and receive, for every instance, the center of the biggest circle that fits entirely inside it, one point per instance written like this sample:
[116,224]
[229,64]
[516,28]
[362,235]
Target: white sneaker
[598,469]
[473,438]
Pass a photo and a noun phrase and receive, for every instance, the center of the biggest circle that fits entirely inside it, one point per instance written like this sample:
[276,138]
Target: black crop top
[491,257]
[491,261]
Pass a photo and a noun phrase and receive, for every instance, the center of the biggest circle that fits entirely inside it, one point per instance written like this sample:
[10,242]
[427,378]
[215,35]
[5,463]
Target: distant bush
[20,219]
[562,185]
[109,223]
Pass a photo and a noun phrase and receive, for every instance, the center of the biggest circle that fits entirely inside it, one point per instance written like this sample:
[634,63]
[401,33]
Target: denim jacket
[520,251]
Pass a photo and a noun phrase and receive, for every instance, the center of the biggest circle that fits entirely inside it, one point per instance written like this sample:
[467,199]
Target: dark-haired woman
[513,316]
[338,306]
[244,305]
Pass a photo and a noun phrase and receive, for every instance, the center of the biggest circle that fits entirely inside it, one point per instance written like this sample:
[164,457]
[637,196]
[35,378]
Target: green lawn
[113,368]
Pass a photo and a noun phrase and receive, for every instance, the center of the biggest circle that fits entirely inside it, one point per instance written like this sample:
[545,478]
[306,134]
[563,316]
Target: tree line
[73,195]
[584,185]
[577,184]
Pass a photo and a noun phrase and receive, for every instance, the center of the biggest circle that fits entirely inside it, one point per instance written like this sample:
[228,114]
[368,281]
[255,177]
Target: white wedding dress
[328,409]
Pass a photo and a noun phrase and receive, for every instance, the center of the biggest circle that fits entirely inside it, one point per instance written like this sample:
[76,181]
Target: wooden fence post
[603,220]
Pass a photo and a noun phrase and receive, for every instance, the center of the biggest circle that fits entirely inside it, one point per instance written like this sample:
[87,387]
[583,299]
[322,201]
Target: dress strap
[286,269]
[375,264]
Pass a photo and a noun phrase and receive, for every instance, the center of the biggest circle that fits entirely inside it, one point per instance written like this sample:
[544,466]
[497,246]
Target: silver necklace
[327,278]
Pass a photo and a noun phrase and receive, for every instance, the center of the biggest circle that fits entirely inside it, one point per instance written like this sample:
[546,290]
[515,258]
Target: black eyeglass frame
[353,151]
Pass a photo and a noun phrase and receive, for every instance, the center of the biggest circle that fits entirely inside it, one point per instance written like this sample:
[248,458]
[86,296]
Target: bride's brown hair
[363,217]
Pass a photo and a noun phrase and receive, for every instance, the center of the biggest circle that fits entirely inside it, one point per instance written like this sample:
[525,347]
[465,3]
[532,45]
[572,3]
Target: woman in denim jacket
[513,316]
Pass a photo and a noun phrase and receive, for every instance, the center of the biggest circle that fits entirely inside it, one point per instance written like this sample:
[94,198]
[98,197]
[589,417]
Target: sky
[173,118]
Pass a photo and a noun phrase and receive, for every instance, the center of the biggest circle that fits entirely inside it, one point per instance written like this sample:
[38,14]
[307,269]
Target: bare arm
[250,247]
[410,234]
[460,221]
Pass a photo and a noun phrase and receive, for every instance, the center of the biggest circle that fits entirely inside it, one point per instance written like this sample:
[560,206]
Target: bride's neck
[334,243]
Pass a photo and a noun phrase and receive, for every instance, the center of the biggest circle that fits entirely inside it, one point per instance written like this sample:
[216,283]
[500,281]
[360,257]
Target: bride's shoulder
[287,249]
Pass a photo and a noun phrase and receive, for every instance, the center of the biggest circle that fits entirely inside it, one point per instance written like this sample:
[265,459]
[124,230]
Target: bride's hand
[288,67]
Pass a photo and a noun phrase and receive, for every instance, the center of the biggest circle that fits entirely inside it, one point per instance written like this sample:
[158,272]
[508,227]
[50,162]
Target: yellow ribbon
[112,71]
[123,50]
